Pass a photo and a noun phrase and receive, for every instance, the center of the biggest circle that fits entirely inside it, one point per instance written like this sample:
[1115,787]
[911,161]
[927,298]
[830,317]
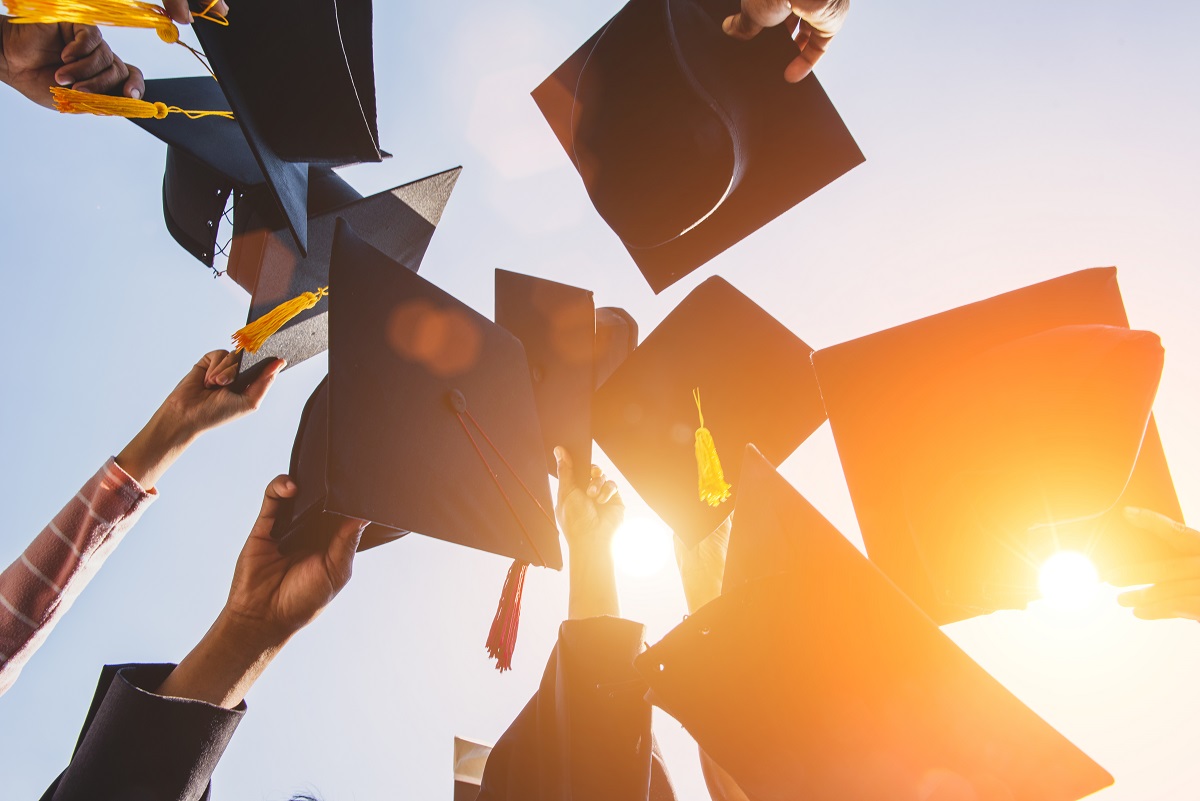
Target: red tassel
[502,639]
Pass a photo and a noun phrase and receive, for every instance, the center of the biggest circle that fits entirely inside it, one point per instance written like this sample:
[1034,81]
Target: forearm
[224,665]
[593,582]
[155,448]
[4,74]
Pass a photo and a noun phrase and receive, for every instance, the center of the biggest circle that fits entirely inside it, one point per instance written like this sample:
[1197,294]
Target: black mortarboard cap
[398,222]
[688,140]
[824,681]
[568,346]
[431,423]
[756,385]
[905,431]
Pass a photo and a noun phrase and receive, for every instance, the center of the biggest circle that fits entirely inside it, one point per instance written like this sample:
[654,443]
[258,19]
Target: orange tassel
[117,13]
[71,101]
[502,638]
[714,490]
[252,336]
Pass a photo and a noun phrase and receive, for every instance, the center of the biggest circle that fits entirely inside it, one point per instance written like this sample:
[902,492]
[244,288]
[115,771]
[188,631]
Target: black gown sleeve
[585,735]
[139,746]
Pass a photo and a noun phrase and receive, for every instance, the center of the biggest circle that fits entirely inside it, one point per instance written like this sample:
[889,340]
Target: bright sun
[642,547]
[1068,581]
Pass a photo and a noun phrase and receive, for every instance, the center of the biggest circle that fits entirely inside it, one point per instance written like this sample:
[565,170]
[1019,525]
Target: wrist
[248,635]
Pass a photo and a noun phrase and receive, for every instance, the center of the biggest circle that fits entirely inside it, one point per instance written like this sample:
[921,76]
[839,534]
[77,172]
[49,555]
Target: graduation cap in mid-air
[978,441]
[572,347]
[755,383]
[686,139]
[430,424]
[834,685]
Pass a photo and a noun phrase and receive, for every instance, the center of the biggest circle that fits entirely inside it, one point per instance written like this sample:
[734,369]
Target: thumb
[566,473]
[257,390]
[342,547]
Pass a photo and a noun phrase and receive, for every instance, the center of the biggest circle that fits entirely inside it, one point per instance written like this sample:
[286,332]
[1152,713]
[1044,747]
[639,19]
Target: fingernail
[136,94]
[225,380]
[62,81]
[558,453]
[289,484]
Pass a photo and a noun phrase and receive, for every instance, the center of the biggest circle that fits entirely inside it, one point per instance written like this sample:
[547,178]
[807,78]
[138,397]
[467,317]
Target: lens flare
[1068,581]
[642,547]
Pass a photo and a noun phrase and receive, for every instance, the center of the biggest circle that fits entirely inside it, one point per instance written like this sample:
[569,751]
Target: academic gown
[585,735]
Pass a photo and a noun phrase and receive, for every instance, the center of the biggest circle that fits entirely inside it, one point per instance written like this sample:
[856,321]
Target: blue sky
[1002,149]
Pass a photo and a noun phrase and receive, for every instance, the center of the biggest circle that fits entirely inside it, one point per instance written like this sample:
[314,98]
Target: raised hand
[589,518]
[819,21]
[34,58]
[1175,590]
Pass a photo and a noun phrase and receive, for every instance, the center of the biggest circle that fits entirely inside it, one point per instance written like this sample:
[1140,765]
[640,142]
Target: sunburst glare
[642,547]
[1068,582]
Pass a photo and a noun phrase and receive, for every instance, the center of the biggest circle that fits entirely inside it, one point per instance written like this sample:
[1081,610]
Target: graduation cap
[470,759]
[686,139]
[755,382]
[818,678]
[977,441]
[571,346]
[430,426]
[398,222]
[299,81]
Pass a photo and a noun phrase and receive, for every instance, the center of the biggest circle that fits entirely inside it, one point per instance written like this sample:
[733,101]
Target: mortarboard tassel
[71,101]
[714,490]
[502,639]
[118,13]
[253,335]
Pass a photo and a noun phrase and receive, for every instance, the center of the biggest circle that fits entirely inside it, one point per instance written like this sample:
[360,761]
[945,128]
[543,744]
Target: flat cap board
[299,78]
[826,683]
[399,222]
[687,140]
[557,325]
[870,386]
[756,385]
[432,422]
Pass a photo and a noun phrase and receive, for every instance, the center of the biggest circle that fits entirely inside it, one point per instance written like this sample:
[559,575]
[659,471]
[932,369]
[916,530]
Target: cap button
[457,401]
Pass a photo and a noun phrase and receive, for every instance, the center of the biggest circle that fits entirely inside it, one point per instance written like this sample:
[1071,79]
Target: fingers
[812,44]
[1172,591]
[566,473]
[1184,568]
[178,10]
[1185,609]
[135,84]
[220,367]
[88,62]
[262,383]
[1182,538]
[86,40]
[602,490]
[343,546]
[756,15]
[278,491]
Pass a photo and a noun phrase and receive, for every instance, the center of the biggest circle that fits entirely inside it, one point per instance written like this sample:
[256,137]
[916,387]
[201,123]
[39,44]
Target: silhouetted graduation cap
[819,679]
[470,758]
[961,432]
[398,222]
[688,140]
[756,385]
[431,425]
[571,347]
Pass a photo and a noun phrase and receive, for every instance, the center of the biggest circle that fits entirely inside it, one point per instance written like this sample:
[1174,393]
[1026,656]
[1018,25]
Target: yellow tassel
[251,337]
[714,490]
[71,101]
[119,13]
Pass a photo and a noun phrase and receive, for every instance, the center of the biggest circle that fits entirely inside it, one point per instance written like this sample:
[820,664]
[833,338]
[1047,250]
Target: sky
[1002,149]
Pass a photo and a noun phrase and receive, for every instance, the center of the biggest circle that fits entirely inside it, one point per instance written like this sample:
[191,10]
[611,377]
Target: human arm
[39,587]
[702,568]
[1175,583]
[158,731]
[589,518]
[819,21]
[35,57]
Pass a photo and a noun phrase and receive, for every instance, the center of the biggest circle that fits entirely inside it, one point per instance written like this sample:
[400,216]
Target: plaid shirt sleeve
[39,587]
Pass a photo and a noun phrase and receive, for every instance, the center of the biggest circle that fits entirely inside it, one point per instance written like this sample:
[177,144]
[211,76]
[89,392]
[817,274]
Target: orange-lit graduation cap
[819,679]
[755,382]
[430,424]
[688,140]
[571,346]
[977,441]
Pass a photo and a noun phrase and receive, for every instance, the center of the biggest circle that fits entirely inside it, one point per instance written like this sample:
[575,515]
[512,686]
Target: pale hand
[819,21]
[1175,590]
[589,516]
